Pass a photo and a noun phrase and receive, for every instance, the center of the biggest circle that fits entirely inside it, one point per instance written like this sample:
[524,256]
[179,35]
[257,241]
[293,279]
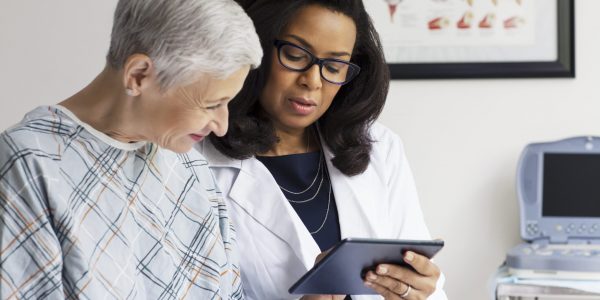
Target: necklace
[311,198]
[319,170]
[326,212]
[323,173]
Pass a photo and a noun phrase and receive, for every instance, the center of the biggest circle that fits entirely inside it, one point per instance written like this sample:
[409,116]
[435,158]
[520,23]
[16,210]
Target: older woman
[100,195]
[304,164]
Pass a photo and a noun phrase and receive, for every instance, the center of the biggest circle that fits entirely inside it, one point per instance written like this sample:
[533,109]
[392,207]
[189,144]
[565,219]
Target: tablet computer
[342,270]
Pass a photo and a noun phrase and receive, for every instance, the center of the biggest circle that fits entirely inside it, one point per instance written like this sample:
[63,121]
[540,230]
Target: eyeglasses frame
[314,60]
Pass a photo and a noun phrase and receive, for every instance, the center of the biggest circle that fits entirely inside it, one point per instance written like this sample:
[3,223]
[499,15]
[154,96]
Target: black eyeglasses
[296,58]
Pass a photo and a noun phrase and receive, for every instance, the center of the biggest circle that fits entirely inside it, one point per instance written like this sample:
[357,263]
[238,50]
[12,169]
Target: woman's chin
[298,122]
[179,147]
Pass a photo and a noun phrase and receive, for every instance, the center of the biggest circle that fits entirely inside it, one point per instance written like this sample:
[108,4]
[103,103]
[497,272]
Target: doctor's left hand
[395,282]
[323,297]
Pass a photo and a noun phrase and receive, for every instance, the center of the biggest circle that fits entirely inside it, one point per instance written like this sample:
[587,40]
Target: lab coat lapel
[355,197]
[269,207]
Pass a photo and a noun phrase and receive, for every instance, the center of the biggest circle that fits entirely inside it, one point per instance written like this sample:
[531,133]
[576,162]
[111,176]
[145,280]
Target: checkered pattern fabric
[84,219]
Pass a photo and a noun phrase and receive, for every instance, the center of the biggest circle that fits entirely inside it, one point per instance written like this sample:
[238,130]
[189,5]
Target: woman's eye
[331,69]
[213,107]
[294,56]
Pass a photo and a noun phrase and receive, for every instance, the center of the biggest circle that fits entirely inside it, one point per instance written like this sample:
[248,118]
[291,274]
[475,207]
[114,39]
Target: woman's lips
[196,137]
[302,106]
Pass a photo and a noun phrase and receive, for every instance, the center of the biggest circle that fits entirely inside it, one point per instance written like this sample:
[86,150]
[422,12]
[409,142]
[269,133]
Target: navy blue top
[294,173]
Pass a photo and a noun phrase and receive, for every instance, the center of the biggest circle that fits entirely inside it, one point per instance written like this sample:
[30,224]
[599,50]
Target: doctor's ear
[138,72]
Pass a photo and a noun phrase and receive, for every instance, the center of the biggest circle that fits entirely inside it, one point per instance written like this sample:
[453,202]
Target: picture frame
[544,47]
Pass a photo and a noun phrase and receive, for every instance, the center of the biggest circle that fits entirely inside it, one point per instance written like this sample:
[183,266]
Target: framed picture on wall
[427,39]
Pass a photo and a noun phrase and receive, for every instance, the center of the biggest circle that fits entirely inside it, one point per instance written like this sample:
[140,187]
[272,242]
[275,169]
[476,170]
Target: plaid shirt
[83,216]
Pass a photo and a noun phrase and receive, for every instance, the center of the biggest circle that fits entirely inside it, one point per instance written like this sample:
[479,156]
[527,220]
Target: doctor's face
[293,100]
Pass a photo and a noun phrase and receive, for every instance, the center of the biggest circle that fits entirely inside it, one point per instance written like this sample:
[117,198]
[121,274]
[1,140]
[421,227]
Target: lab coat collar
[353,194]
[268,206]
[216,158]
[357,217]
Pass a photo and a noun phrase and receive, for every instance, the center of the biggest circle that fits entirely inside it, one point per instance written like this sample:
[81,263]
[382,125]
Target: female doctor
[304,165]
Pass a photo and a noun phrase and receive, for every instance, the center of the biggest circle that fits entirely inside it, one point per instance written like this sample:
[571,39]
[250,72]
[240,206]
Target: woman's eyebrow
[217,100]
[306,44]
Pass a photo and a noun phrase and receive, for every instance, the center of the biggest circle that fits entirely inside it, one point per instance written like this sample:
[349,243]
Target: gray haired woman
[100,195]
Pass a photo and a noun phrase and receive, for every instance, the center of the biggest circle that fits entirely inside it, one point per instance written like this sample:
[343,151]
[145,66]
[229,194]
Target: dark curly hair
[345,125]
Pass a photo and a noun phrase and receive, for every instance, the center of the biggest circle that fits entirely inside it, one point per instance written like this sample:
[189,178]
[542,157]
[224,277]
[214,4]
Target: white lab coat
[277,249]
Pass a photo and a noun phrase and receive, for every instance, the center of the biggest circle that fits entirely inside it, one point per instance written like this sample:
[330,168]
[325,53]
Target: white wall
[463,137]
[49,50]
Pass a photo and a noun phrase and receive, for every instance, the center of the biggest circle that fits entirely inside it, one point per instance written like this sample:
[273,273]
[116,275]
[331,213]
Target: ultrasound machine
[558,186]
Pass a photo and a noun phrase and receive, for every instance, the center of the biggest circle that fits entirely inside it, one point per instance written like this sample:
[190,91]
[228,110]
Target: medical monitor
[558,185]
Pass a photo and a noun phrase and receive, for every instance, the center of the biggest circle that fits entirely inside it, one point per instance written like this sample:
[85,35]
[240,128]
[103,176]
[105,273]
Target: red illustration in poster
[438,23]
[487,21]
[392,6]
[514,22]
[465,21]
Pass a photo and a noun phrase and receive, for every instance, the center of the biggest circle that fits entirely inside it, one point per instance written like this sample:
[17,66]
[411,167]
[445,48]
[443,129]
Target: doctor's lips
[438,23]
[302,106]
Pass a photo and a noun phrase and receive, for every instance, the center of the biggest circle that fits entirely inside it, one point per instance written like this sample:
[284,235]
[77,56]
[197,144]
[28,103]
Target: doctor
[304,165]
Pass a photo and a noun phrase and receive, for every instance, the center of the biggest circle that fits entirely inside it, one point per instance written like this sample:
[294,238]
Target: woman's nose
[311,78]
[221,122]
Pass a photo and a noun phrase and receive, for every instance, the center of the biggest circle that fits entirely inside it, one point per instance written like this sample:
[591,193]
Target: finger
[316,297]
[323,297]
[407,276]
[400,273]
[392,284]
[321,255]
[422,264]
[413,294]
[383,291]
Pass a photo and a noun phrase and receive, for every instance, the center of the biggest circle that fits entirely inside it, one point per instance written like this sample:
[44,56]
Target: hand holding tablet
[343,269]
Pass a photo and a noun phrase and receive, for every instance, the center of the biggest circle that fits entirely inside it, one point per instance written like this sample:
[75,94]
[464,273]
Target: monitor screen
[571,185]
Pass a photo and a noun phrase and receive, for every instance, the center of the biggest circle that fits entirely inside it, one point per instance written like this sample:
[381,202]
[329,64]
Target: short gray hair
[184,38]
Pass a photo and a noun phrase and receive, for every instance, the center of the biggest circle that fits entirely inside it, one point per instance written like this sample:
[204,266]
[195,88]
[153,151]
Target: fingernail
[381,270]
[368,284]
[409,256]
[372,277]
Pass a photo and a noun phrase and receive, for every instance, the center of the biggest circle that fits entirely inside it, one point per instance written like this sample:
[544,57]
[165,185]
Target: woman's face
[294,100]
[185,115]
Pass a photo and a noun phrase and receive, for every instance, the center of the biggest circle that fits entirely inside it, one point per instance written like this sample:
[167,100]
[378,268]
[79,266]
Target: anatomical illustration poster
[414,31]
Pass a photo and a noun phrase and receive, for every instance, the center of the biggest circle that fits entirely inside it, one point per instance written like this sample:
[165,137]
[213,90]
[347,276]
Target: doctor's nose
[311,78]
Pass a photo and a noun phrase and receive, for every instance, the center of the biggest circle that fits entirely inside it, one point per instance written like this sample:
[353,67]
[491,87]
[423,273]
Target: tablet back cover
[341,271]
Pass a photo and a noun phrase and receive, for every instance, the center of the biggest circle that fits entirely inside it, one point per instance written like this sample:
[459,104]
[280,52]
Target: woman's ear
[137,72]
